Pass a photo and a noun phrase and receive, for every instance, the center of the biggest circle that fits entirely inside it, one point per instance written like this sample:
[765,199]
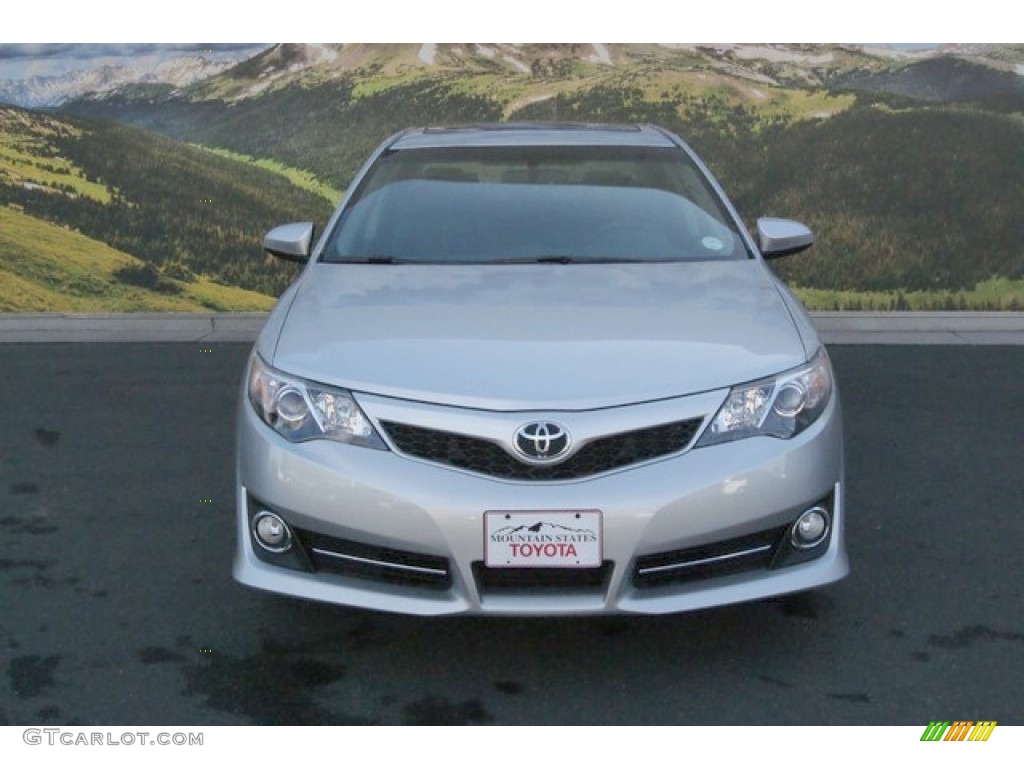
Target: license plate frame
[563,538]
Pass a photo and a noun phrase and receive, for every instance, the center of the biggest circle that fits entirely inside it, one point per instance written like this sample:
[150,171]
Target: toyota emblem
[542,441]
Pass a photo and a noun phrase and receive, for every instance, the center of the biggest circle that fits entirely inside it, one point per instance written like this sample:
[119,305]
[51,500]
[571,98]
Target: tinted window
[492,204]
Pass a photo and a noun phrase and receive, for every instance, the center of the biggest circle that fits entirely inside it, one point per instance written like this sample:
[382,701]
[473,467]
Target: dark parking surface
[116,538]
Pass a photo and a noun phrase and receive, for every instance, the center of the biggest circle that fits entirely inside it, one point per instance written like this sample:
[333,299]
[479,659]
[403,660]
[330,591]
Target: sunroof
[531,127]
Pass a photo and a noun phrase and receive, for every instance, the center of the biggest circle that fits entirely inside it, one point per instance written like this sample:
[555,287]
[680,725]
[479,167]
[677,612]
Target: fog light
[271,532]
[810,529]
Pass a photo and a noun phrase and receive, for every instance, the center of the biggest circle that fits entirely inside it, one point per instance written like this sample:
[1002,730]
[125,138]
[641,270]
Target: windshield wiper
[560,260]
[570,260]
[372,260]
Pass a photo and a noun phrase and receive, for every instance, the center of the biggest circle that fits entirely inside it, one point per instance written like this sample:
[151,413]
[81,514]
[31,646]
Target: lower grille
[745,553]
[349,558]
[541,580]
[489,458]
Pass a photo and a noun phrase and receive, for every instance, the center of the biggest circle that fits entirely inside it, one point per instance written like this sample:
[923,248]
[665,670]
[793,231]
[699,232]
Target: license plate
[551,539]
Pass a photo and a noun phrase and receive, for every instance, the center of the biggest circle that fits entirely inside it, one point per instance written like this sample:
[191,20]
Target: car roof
[534,134]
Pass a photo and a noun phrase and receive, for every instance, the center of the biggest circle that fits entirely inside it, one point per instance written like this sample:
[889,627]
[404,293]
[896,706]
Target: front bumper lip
[384,499]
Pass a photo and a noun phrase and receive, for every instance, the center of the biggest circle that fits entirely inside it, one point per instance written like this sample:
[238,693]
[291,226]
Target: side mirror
[781,237]
[290,241]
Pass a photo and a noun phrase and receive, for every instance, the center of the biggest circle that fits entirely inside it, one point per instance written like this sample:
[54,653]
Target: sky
[520,20]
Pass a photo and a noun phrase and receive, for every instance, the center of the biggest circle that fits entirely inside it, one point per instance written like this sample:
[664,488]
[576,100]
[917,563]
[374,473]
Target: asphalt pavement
[118,607]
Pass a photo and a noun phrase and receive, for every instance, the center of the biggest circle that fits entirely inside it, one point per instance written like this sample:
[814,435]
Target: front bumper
[379,507]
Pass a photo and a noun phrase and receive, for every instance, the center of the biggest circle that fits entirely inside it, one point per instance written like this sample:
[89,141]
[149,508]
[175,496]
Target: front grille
[349,558]
[489,458]
[541,580]
[746,553]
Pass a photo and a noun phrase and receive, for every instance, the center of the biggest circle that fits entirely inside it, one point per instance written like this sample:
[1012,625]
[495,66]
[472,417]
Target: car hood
[537,336]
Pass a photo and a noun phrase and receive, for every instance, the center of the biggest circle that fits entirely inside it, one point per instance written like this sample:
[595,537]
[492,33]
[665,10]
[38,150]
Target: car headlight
[781,406]
[302,410]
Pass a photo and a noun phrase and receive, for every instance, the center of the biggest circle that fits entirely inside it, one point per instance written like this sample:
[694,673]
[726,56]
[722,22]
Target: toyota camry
[538,369]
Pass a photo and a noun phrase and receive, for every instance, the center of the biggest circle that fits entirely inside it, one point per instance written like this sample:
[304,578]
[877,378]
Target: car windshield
[527,204]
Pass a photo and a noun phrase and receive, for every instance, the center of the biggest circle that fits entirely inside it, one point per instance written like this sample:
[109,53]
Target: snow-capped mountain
[53,90]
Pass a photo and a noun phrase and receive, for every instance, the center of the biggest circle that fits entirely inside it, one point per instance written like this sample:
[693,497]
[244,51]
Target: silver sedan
[537,369]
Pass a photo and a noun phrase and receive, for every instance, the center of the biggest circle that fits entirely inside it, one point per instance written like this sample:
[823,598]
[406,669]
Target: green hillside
[29,158]
[302,179]
[920,199]
[46,268]
[325,129]
[187,213]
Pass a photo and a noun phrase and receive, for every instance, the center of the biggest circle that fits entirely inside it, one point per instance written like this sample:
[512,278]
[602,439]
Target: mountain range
[909,164]
[894,69]
[59,73]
